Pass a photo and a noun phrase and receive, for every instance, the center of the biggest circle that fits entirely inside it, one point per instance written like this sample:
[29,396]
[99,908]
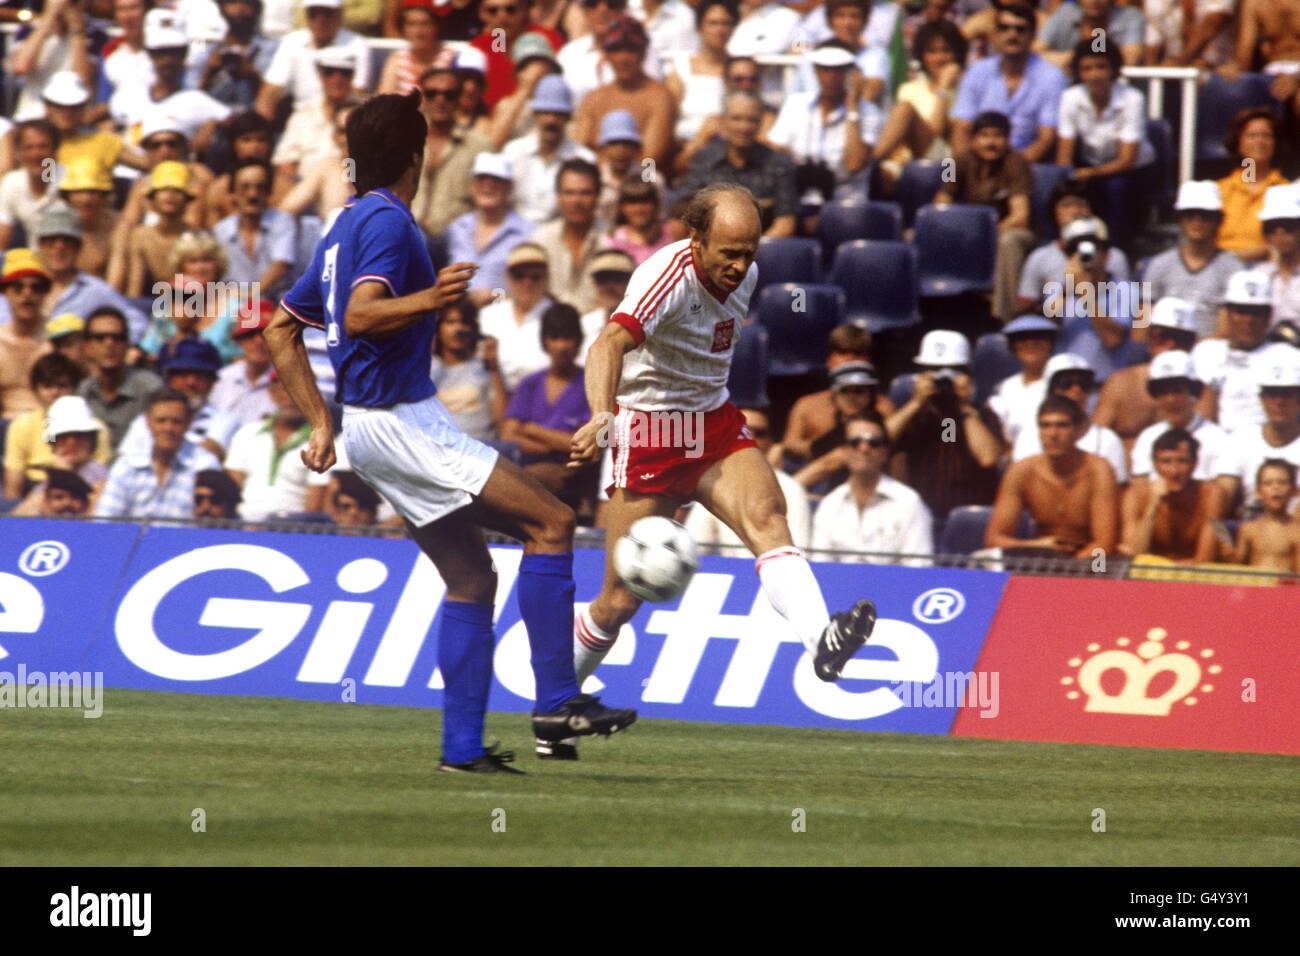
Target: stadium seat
[1218,101]
[919,181]
[957,247]
[1046,177]
[842,222]
[786,260]
[747,382]
[991,362]
[879,278]
[964,530]
[798,319]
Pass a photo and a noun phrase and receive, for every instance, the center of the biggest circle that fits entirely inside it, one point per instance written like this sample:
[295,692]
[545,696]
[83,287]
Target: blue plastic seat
[747,382]
[958,246]
[991,362]
[879,279]
[963,532]
[1046,178]
[798,319]
[842,222]
[1218,101]
[786,260]
[917,185]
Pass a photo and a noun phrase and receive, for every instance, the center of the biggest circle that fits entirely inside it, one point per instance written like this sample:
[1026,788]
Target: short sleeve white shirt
[1215,456]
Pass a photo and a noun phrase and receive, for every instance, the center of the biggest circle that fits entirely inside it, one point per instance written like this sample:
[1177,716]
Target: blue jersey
[374,239]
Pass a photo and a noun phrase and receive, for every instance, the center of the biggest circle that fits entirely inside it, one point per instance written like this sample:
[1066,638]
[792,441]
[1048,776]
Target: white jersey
[1252,449]
[1216,455]
[1235,375]
[684,332]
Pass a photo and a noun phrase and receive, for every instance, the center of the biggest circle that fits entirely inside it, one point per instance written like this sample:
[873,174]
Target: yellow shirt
[26,448]
[103,147]
[1242,203]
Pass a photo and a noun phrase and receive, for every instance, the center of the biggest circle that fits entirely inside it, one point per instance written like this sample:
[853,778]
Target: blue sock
[546,605]
[465,641]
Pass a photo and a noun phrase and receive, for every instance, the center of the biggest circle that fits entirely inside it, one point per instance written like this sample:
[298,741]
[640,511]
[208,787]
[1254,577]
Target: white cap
[159,121]
[943,347]
[470,58]
[332,4]
[69,414]
[1280,202]
[1282,370]
[1085,226]
[492,164]
[164,29]
[1199,194]
[336,57]
[65,89]
[1174,313]
[831,56]
[1065,362]
[1173,364]
[1249,288]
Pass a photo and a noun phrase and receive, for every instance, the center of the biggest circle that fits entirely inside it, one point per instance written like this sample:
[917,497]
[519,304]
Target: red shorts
[666,453]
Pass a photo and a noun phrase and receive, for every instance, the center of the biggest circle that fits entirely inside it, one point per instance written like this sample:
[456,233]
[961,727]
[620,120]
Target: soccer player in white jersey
[665,354]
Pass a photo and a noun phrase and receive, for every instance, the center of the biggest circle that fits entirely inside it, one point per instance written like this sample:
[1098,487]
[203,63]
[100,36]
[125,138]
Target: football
[656,559]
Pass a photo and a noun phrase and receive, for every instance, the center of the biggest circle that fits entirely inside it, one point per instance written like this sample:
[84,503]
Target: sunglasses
[612,4]
[107,336]
[335,71]
[440,94]
[176,51]
[321,11]
[872,441]
[528,275]
[201,497]
[1278,391]
[1075,381]
[1019,28]
[165,144]
[38,286]
[1290,225]
[1167,388]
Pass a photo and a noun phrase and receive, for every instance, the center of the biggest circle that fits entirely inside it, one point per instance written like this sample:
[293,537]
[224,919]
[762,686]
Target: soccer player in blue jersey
[371,286]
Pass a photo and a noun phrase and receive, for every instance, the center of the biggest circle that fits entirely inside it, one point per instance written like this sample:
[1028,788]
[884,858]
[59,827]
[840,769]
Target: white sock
[792,589]
[590,644]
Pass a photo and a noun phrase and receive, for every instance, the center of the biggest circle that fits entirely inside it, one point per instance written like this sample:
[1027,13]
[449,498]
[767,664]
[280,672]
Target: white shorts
[415,456]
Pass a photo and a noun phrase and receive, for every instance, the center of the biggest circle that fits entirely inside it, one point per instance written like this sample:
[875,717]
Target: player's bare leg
[742,491]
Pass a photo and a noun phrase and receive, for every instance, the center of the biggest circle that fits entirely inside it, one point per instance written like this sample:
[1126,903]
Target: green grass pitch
[290,782]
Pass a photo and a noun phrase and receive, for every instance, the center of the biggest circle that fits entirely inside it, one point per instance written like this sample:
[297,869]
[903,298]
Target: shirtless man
[149,247]
[162,140]
[1272,540]
[89,191]
[1273,28]
[1170,515]
[1124,404]
[1071,495]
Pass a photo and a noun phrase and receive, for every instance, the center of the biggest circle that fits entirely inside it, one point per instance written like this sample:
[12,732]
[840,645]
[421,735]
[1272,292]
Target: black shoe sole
[830,670]
[560,731]
[558,752]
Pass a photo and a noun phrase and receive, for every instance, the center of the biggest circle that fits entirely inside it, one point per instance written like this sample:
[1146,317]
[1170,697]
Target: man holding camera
[945,447]
[1095,308]
[230,69]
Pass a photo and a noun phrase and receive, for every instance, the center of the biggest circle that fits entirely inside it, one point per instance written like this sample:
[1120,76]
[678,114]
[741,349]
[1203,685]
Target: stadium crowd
[167,170]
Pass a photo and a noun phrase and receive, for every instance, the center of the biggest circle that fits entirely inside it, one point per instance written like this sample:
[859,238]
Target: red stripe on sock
[786,552]
[589,640]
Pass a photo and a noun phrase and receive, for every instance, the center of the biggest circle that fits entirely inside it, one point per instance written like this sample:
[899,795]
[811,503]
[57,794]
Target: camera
[1087,250]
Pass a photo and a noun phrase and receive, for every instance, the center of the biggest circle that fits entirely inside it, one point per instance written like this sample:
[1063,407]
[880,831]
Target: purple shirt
[1035,103]
[567,413]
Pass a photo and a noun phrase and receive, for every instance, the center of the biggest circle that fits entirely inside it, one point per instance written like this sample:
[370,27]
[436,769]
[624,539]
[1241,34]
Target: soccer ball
[656,559]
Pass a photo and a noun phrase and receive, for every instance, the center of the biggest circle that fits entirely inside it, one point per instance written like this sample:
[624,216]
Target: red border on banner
[1145,664]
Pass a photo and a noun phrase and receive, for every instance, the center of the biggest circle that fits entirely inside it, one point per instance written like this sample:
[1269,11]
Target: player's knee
[555,531]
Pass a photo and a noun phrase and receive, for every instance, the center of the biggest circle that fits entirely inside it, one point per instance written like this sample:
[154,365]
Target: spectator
[672,26]
[853,391]
[26,452]
[260,242]
[157,479]
[403,68]
[511,118]
[1068,375]
[1281,223]
[1198,34]
[737,157]
[1197,269]
[624,43]
[945,448]
[148,247]
[56,43]
[1122,28]
[26,191]
[1232,367]
[1272,540]
[640,229]
[816,426]
[216,496]
[696,79]
[920,124]
[325,187]
[610,271]
[575,238]
[514,322]
[830,130]
[1068,202]
[469,381]
[25,284]
[990,174]
[1070,494]
[619,152]
[987,86]
[537,157]
[124,58]
[715,537]
[1096,310]
[582,58]
[264,461]
[295,68]
[115,392]
[548,406]
[71,443]
[489,233]
[740,74]
[870,513]
[1279,435]
[1124,405]
[1252,144]
[191,371]
[1015,400]
[847,22]
[1101,130]
[230,70]
[1267,32]
[250,137]
[881,21]
[64,494]
[66,334]
[450,152]
[199,303]
[765,27]
[354,502]
[504,21]
[89,190]
[163,140]
[197,113]
[302,143]
[1170,516]
[243,388]
[472,111]
[66,101]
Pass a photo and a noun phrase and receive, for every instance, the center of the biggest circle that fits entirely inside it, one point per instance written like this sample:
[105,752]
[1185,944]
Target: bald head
[725,228]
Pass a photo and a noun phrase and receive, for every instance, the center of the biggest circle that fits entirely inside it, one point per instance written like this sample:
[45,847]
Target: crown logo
[1140,670]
